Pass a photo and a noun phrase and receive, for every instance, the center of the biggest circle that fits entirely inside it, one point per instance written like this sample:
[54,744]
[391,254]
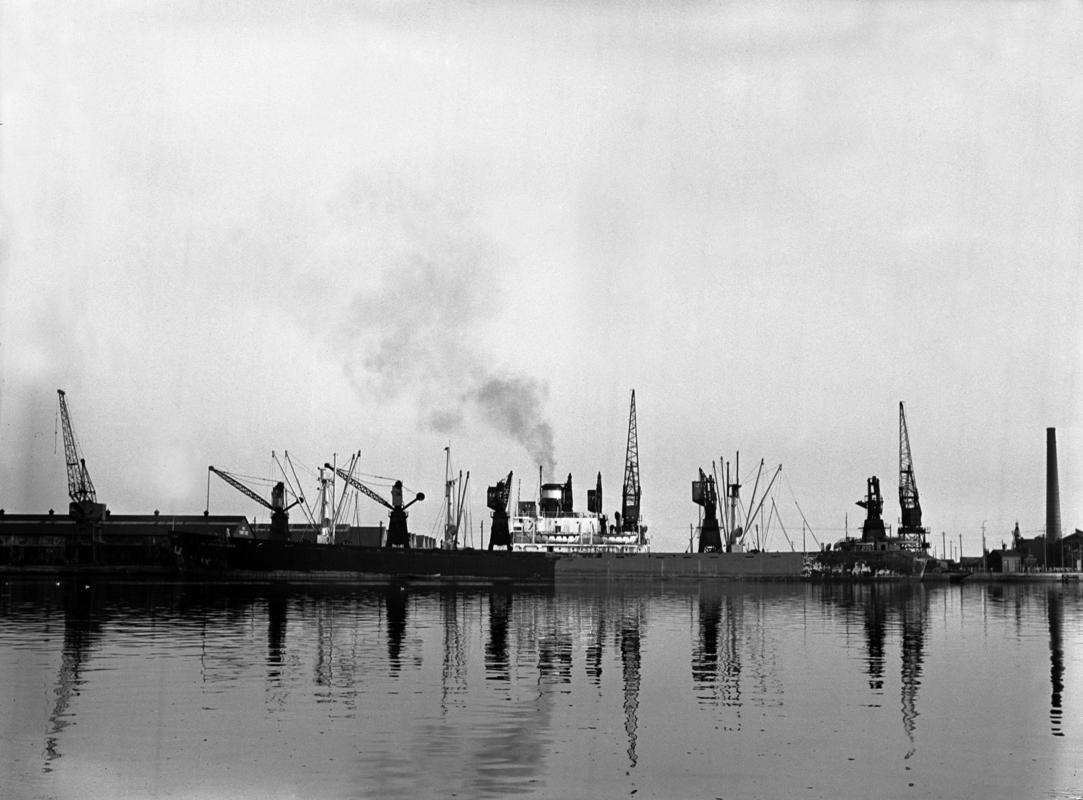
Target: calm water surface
[749,690]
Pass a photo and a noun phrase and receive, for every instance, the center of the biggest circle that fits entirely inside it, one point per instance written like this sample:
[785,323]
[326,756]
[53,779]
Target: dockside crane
[631,494]
[84,508]
[910,531]
[872,529]
[705,494]
[397,533]
[280,518]
[496,499]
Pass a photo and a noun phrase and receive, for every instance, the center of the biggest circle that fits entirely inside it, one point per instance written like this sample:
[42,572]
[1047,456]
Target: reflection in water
[82,628]
[1055,605]
[913,648]
[453,670]
[875,635]
[630,660]
[731,656]
[705,650]
[880,606]
[596,647]
[496,649]
[395,599]
[525,692]
[717,658]
[555,657]
[276,634]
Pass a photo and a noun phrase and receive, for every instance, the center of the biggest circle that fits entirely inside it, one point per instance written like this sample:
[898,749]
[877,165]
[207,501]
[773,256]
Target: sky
[235,229]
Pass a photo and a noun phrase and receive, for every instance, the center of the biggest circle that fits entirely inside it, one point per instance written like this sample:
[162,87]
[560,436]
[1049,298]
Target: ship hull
[852,565]
[252,559]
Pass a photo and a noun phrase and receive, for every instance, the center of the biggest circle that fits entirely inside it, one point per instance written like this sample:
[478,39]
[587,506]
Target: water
[750,690]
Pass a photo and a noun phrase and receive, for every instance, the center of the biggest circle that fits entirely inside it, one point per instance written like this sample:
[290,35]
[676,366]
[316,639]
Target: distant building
[1004,561]
[1072,550]
[972,563]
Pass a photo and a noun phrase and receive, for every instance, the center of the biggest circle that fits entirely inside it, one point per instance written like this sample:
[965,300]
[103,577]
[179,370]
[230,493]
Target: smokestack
[1052,500]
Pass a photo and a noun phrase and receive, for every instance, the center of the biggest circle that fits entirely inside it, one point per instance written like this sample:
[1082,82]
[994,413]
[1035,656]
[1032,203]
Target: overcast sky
[237,228]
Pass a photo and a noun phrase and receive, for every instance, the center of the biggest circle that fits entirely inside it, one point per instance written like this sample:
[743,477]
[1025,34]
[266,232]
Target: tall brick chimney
[1052,501]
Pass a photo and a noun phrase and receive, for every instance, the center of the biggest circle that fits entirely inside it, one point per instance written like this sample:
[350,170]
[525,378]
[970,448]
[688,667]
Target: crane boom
[280,518]
[396,491]
[352,481]
[80,487]
[397,533]
[240,487]
[909,502]
[631,493]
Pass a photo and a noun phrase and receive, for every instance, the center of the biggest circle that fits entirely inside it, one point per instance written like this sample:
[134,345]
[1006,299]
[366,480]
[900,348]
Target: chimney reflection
[1055,606]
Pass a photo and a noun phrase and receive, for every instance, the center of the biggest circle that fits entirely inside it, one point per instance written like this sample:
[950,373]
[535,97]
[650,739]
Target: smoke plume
[512,405]
[414,326]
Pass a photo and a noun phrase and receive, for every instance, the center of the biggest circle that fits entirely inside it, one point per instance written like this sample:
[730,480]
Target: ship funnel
[1052,500]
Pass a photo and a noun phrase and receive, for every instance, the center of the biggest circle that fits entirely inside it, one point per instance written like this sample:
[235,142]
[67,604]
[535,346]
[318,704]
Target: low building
[1004,561]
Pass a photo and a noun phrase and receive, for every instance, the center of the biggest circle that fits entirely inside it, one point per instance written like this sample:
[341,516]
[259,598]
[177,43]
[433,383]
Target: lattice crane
[84,507]
[910,528]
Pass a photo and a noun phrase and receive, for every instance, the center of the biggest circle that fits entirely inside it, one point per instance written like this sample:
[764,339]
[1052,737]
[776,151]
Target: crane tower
[910,530]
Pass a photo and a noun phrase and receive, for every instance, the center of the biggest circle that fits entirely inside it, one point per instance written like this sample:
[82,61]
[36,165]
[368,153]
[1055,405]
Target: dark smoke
[513,406]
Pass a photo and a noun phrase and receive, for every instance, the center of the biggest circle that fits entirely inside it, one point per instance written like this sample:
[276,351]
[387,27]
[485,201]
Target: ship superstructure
[550,523]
